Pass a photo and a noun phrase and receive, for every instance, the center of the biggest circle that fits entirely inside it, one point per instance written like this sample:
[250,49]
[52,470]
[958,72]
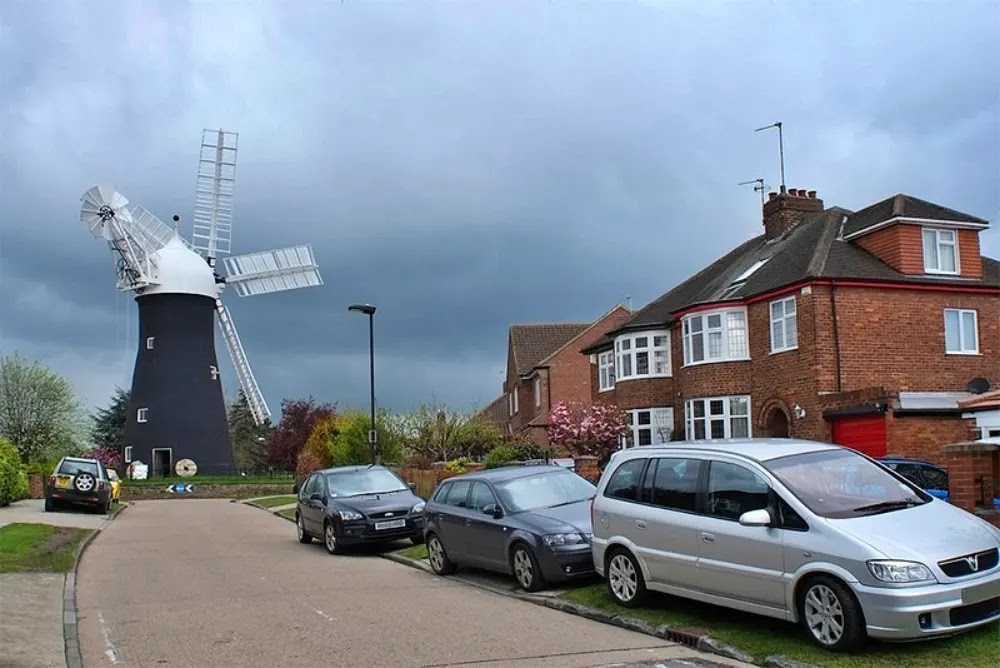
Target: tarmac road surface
[208,583]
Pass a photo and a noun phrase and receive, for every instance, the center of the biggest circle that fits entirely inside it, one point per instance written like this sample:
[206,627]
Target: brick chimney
[782,212]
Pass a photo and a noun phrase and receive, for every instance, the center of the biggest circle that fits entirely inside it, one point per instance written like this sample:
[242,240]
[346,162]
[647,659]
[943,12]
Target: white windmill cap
[181,270]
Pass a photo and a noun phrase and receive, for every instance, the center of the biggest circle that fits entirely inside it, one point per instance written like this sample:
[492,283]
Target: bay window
[715,336]
[717,417]
[642,355]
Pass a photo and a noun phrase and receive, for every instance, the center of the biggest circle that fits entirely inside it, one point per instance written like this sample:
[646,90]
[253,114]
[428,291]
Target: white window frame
[726,334]
[660,418]
[787,323]
[141,414]
[606,371]
[727,416]
[149,342]
[932,235]
[627,351]
[962,312]
[128,454]
[538,391]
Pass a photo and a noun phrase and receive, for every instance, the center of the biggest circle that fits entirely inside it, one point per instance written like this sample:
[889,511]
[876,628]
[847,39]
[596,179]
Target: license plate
[62,482]
[981,592]
[391,524]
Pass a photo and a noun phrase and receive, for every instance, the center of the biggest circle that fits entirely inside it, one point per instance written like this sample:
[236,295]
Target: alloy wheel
[824,615]
[435,554]
[301,530]
[84,482]
[523,569]
[623,578]
[331,537]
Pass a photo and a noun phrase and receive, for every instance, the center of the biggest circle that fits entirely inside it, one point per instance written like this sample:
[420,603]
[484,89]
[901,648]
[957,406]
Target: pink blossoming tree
[593,430]
[106,454]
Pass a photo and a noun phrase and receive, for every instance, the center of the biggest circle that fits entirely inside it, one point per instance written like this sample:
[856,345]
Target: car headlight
[557,539]
[900,571]
[418,508]
[348,515]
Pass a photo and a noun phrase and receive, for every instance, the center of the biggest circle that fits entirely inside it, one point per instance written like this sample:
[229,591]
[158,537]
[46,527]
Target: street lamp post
[369,310]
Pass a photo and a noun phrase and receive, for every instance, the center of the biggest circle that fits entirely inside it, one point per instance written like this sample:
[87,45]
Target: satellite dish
[186,468]
[978,385]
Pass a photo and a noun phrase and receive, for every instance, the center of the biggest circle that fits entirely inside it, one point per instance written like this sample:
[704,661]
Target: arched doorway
[776,423]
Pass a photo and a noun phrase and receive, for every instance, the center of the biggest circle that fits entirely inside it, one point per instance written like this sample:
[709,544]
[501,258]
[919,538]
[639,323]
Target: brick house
[870,328]
[544,367]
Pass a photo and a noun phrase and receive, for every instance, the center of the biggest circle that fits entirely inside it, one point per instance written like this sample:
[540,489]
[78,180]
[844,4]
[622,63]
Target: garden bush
[460,465]
[13,477]
[350,444]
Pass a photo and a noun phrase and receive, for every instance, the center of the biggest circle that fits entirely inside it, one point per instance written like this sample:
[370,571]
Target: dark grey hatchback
[351,505]
[529,521]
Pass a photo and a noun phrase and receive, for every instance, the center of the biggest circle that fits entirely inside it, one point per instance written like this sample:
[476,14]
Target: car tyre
[417,540]
[625,581]
[525,568]
[438,558]
[50,505]
[826,605]
[331,538]
[300,528]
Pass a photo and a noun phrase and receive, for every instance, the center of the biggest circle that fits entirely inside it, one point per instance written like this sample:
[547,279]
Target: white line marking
[329,618]
[110,652]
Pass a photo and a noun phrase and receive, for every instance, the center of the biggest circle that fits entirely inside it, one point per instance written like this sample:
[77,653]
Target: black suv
[351,505]
[79,481]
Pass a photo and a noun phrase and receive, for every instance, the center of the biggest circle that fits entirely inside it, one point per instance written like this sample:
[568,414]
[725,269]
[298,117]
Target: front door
[487,537]
[740,562]
[162,462]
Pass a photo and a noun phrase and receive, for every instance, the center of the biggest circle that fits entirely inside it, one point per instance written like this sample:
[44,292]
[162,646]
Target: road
[198,583]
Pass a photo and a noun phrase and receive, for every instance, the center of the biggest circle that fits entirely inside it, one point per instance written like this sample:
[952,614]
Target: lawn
[38,547]
[272,501]
[762,637]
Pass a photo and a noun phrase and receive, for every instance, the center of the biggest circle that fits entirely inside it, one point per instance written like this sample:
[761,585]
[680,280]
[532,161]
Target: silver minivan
[803,531]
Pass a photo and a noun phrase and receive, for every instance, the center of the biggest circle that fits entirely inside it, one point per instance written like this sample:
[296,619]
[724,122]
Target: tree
[350,444]
[316,452]
[595,430]
[109,423]
[109,455]
[13,477]
[39,412]
[436,433]
[249,440]
[298,418]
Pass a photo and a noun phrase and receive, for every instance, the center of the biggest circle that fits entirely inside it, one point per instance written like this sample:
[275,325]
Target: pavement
[33,511]
[31,636]
[213,583]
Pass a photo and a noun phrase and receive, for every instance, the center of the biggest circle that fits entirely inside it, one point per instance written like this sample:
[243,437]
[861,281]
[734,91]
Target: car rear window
[71,467]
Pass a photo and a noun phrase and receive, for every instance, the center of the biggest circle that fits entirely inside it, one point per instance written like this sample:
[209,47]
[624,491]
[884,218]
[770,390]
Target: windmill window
[149,342]
[128,454]
[140,414]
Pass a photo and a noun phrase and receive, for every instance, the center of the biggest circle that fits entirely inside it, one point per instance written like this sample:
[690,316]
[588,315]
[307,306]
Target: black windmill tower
[177,418]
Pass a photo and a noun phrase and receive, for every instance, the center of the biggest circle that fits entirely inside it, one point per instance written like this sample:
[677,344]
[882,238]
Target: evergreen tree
[109,423]
[249,440]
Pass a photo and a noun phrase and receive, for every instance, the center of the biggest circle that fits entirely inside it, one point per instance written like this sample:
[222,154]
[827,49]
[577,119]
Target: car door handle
[708,538]
[641,524]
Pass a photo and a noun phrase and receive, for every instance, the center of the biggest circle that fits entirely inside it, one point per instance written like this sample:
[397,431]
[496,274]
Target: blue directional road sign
[180,488]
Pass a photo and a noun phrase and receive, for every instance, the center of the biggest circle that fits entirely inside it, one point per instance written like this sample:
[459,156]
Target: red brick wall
[902,248]
[921,437]
[973,474]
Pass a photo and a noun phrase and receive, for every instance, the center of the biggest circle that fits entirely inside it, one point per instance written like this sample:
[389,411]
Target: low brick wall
[973,476]
[36,486]
[148,492]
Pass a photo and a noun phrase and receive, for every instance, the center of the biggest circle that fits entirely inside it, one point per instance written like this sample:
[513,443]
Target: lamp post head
[367,309]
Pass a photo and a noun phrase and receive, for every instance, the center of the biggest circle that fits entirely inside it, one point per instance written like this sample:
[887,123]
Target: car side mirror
[412,486]
[316,496]
[756,518]
[493,510]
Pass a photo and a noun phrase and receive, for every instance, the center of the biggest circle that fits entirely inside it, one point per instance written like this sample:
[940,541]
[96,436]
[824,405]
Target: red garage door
[865,433]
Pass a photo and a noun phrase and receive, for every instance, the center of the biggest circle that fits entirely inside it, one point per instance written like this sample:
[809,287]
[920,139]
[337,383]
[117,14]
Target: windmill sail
[213,206]
[272,271]
[106,212]
[255,398]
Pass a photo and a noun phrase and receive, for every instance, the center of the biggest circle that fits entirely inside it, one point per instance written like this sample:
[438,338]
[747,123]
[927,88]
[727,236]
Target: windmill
[177,413]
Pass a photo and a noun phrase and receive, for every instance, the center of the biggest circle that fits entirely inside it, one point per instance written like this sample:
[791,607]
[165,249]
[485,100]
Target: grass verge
[288,512]
[272,501]
[414,551]
[762,637]
[211,480]
[39,548]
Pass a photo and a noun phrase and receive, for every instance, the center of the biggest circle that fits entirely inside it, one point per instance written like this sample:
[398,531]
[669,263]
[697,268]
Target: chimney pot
[794,192]
[812,194]
[772,195]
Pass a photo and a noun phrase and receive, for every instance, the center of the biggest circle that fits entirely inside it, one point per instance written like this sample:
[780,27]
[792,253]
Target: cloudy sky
[463,165]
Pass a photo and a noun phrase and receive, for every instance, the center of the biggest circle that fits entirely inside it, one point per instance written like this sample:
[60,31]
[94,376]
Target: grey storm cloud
[462,165]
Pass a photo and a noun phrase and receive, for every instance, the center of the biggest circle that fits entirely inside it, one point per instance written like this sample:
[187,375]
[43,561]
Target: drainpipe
[836,332]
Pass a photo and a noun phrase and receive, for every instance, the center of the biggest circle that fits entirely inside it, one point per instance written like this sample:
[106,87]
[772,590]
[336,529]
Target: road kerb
[71,637]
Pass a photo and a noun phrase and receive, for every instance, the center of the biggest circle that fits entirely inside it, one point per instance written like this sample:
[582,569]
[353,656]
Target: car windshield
[841,483]
[72,467]
[365,481]
[545,489]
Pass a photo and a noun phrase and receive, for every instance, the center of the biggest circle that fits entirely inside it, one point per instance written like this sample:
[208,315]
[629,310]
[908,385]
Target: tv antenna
[781,150]
[759,186]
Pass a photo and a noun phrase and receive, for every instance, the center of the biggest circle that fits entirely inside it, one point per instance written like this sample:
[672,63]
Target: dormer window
[940,251]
